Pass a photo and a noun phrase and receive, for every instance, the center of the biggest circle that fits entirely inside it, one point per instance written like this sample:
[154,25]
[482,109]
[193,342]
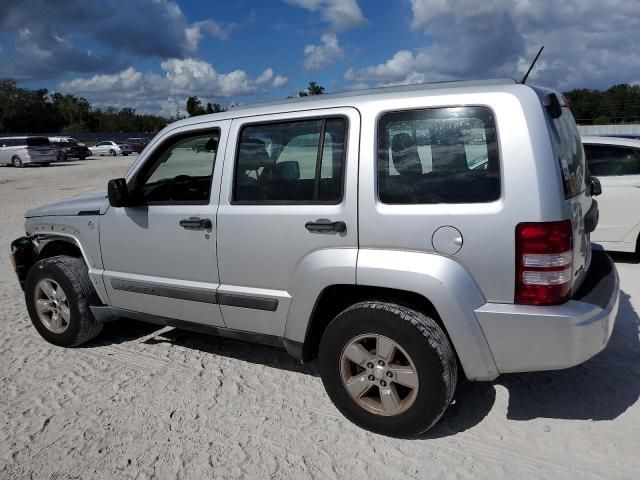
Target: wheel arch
[437,285]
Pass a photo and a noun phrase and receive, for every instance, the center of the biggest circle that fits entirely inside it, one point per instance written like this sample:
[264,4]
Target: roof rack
[380,90]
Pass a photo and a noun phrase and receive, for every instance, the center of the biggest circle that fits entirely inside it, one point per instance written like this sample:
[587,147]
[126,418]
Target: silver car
[21,151]
[404,237]
[110,147]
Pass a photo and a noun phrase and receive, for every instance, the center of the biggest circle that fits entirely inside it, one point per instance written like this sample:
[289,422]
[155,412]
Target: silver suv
[405,237]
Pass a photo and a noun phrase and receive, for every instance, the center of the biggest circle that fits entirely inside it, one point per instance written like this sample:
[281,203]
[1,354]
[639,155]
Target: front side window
[291,162]
[181,171]
[438,155]
[611,160]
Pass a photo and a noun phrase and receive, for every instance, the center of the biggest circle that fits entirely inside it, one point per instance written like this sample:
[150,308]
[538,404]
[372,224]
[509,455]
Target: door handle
[326,226]
[196,223]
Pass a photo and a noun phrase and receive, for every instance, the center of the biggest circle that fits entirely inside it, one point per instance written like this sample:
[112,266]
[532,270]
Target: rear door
[289,190]
[618,169]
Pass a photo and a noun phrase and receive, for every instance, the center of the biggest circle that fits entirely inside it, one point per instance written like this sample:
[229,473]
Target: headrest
[253,154]
[405,155]
[289,170]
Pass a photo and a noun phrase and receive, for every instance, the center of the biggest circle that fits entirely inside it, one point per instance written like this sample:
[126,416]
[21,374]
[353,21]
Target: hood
[91,204]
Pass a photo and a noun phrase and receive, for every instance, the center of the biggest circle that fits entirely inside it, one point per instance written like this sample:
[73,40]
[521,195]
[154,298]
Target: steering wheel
[181,187]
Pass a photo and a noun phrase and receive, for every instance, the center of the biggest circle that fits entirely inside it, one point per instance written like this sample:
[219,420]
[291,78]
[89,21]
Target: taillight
[544,262]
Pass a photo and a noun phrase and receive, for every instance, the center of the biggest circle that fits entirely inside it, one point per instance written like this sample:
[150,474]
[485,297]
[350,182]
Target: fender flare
[451,290]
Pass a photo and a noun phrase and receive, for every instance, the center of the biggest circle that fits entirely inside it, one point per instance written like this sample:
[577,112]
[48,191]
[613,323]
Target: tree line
[24,110]
[618,104]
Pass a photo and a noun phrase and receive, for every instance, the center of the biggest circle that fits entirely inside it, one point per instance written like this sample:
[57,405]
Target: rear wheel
[113,153]
[58,293]
[388,368]
[17,162]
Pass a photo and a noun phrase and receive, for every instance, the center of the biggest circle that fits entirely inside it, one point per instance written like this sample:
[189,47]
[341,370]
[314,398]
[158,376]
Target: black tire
[16,161]
[72,275]
[125,154]
[422,339]
[113,153]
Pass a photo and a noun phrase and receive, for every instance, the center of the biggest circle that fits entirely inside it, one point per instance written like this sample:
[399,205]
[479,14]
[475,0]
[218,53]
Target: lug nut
[381,363]
[383,383]
[369,365]
[389,374]
[371,378]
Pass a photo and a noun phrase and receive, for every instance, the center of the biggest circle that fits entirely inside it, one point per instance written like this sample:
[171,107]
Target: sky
[152,54]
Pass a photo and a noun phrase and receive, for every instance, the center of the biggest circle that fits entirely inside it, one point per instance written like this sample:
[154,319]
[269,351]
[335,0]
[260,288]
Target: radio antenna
[526,75]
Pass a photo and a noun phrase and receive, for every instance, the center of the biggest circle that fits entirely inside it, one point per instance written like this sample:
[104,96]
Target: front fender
[451,290]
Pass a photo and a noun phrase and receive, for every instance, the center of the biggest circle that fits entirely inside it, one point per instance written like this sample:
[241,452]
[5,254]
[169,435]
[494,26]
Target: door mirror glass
[118,193]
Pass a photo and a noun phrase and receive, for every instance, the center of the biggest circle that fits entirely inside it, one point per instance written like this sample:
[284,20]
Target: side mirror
[595,187]
[118,193]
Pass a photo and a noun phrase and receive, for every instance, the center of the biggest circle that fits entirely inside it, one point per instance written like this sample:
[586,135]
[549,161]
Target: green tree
[194,106]
[312,89]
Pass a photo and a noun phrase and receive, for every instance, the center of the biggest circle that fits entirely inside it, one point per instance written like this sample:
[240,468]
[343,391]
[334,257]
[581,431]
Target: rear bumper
[528,338]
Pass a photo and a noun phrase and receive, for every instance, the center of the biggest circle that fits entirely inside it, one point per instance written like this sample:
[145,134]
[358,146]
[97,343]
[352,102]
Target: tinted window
[570,153]
[607,160]
[38,141]
[181,171]
[291,162]
[438,155]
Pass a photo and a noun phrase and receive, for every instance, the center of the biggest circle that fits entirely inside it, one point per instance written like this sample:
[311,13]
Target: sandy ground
[142,402]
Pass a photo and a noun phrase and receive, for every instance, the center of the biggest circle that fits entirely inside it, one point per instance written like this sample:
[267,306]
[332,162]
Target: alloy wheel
[52,305]
[379,375]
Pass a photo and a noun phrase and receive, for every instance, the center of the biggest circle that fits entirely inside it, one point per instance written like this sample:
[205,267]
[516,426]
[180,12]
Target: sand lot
[142,402]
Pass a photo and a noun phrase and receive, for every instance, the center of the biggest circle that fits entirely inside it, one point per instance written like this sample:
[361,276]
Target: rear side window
[38,141]
[438,155]
[291,162]
[611,160]
[570,153]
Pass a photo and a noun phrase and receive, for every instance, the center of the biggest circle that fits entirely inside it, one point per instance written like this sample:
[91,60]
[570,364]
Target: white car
[110,147]
[616,163]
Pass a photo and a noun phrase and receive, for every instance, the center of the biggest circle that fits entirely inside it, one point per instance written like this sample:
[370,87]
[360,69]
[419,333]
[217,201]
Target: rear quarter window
[38,141]
[438,155]
[570,153]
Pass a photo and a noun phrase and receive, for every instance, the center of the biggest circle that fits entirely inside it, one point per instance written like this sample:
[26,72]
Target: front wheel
[17,162]
[388,368]
[58,293]
[113,153]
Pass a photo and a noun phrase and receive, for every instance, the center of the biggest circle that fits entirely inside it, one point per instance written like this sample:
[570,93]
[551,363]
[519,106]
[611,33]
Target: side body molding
[450,289]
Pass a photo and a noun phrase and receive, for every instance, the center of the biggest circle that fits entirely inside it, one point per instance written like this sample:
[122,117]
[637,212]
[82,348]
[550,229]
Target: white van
[19,151]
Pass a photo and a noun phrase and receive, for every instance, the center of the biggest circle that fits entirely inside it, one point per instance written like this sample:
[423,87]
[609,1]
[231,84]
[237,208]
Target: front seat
[253,156]
[404,153]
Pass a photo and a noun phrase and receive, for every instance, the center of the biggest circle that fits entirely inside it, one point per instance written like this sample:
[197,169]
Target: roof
[601,140]
[351,98]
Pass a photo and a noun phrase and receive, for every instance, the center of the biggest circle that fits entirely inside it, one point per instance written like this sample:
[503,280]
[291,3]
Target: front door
[289,195]
[159,256]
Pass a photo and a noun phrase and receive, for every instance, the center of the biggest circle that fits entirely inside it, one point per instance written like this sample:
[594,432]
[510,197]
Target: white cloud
[196,31]
[591,43]
[318,57]
[339,14]
[279,81]
[180,79]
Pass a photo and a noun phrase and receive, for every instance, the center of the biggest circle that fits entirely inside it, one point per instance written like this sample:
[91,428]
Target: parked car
[616,163]
[324,227]
[68,149]
[137,144]
[21,151]
[112,148]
